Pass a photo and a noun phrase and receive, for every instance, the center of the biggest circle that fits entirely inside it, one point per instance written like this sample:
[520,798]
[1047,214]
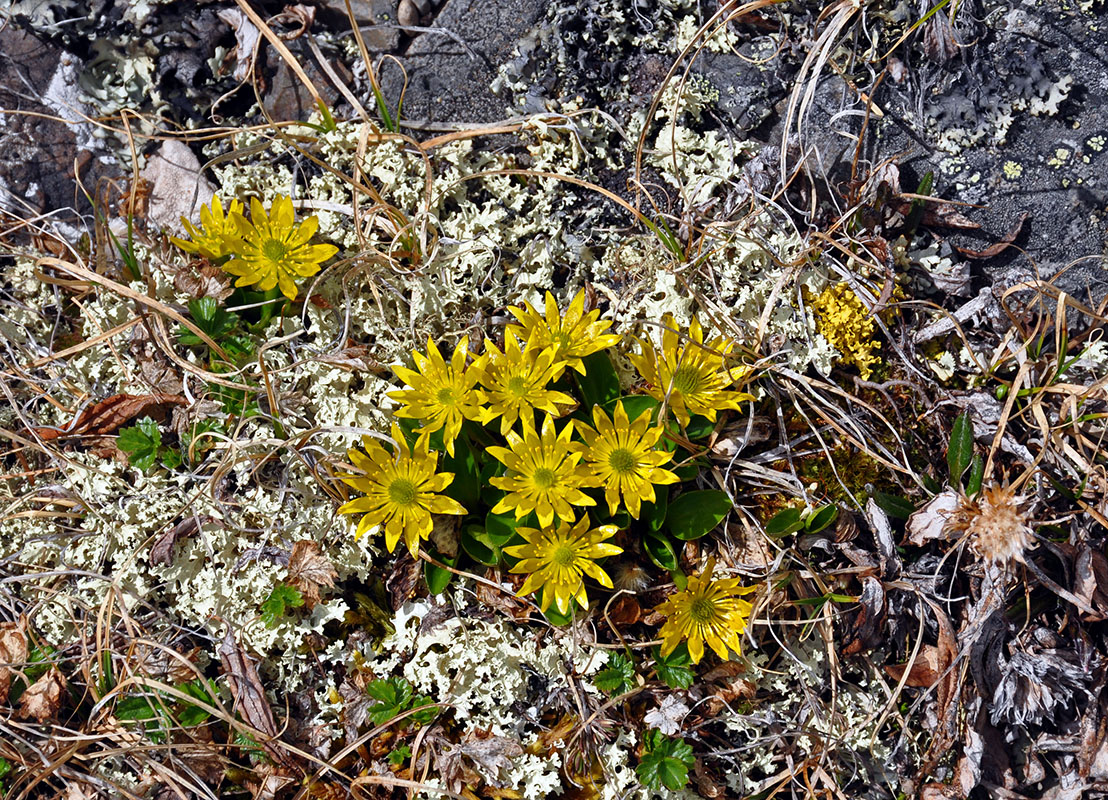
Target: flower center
[561,340]
[686,379]
[445,396]
[402,492]
[544,478]
[274,250]
[517,386]
[563,556]
[621,461]
[702,610]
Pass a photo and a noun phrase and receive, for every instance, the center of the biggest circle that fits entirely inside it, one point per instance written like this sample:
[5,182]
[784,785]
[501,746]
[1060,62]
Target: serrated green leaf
[618,676]
[694,514]
[785,521]
[665,762]
[959,452]
[674,670]
[280,600]
[140,442]
[399,755]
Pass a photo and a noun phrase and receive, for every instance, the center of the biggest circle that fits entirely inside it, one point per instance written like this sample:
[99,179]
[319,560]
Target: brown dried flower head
[996,522]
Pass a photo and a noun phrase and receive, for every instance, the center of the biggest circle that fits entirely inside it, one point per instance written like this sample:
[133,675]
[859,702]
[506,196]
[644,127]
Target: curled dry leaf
[13,653]
[43,698]
[309,569]
[868,628]
[923,673]
[162,551]
[113,413]
[487,753]
[249,695]
[930,522]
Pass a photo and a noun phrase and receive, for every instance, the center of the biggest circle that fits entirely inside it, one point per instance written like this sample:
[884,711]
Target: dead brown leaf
[504,602]
[43,698]
[249,696]
[868,628]
[489,754]
[625,611]
[310,569]
[923,673]
[13,653]
[999,247]
[162,551]
[202,279]
[113,413]
[402,579]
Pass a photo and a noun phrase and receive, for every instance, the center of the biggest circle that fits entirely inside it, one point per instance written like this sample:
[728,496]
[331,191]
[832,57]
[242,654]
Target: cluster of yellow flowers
[268,250]
[548,465]
[845,322]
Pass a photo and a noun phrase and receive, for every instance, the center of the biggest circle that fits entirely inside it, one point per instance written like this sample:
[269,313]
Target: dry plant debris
[723,466]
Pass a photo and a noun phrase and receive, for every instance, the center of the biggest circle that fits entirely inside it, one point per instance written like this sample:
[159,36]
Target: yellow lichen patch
[1012,170]
[845,322]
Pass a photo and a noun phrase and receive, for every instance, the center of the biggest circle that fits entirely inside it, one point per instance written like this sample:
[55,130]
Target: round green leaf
[785,521]
[694,514]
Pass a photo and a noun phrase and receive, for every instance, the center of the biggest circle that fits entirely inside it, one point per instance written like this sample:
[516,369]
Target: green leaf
[425,715]
[694,514]
[654,514]
[478,546]
[438,578]
[209,317]
[894,505]
[192,715]
[822,517]
[170,457]
[699,428]
[665,762]
[600,383]
[557,618]
[660,550]
[5,767]
[785,521]
[674,670]
[633,404]
[140,442]
[959,452]
[618,676]
[133,709]
[466,486]
[501,528]
[280,600]
[976,475]
[399,755]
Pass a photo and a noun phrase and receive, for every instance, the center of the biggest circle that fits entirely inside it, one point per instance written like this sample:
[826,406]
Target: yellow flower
[543,475]
[845,322]
[706,611]
[441,395]
[274,249]
[573,335]
[690,377]
[401,491]
[217,234]
[557,560]
[515,383]
[620,456]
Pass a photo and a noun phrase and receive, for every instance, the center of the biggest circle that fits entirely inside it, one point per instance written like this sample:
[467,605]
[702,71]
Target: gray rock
[450,80]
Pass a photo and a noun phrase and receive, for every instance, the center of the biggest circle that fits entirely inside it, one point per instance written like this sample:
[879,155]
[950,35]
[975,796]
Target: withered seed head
[996,522]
